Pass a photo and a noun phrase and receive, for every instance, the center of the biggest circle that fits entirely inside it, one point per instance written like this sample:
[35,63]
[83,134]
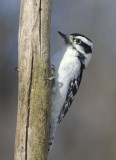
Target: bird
[68,65]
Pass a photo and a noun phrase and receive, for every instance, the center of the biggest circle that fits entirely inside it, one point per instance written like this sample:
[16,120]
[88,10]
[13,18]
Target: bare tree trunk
[34,92]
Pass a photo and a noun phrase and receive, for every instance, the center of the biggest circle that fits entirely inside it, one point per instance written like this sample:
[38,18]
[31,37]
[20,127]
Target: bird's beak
[64,36]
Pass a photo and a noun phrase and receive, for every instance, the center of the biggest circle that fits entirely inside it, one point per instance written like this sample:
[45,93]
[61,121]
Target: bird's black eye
[78,41]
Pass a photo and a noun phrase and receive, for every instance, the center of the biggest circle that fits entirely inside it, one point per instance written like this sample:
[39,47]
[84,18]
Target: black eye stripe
[86,47]
[78,41]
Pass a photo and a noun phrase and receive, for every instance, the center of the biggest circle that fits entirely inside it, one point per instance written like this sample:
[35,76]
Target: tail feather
[52,136]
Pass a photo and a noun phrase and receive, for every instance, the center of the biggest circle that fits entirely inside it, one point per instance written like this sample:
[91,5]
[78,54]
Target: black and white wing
[73,88]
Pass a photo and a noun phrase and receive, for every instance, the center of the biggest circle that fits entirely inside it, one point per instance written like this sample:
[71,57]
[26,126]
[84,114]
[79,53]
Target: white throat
[75,52]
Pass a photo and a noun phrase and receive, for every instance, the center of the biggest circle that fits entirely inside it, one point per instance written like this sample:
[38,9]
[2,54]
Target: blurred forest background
[88,132]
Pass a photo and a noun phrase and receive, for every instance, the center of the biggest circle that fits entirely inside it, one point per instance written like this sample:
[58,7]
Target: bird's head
[81,44]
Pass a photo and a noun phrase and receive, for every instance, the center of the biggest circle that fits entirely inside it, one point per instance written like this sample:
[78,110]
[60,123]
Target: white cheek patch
[79,48]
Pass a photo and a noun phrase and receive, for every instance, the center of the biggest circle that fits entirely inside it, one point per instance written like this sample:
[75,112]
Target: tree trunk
[34,91]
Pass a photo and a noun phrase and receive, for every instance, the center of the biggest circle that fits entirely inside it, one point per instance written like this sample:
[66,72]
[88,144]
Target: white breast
[67,67]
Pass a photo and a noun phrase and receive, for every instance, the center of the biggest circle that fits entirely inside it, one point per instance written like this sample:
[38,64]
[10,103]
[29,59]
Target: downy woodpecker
[69,64]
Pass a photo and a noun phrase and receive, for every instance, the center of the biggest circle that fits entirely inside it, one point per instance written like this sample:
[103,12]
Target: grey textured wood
[34,91]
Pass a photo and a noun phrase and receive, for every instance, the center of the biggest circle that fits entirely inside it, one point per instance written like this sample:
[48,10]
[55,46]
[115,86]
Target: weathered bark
[34,91]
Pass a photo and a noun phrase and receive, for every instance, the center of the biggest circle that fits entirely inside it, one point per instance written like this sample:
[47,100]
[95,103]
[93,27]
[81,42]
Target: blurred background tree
[89,130]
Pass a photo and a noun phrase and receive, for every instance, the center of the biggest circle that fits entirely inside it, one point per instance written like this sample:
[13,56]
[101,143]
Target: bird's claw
[52,78]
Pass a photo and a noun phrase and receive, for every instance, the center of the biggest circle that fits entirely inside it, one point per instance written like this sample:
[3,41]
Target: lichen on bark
[34,91]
